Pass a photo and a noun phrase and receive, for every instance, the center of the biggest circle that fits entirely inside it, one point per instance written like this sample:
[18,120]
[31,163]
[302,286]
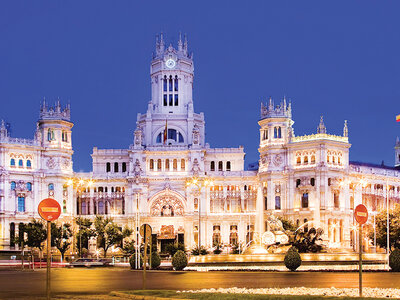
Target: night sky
[339,59]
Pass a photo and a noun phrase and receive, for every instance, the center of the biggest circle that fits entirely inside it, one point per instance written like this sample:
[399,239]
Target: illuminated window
[151,164]
[182,165]
[175,164]
[298,160]
[277,202]
[167,164]
[305,160]
[159,165]
[304,200]
[313,159]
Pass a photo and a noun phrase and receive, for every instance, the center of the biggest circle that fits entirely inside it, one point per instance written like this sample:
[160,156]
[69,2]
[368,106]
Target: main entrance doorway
[167,236]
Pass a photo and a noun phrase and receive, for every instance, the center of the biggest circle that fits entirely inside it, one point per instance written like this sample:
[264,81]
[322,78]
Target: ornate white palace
[187,191]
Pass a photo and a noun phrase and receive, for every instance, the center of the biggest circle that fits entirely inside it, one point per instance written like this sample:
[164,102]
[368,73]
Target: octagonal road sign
[49,209]
[361,214]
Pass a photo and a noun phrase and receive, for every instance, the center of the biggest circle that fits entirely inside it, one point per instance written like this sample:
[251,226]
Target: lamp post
[199,183]
[79,184]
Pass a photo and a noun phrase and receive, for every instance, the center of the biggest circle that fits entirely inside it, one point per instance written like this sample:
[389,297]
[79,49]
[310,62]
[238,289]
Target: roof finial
[345,129]
[180,44]
[321,128]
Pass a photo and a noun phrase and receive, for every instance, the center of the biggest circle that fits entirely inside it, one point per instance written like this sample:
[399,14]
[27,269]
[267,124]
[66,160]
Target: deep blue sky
[339,59]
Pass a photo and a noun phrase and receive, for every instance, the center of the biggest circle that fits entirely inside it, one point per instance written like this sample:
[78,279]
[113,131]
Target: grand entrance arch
[166,208]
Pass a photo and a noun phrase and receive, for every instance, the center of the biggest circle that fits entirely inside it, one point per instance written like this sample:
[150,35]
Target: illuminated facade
[187,191]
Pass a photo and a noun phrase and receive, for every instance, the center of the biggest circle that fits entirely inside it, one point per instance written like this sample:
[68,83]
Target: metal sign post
[145,232]
[361,216]
[49,209]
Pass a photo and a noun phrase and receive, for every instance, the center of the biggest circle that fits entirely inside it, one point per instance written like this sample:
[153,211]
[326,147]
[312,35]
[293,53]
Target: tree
[381,228]
[129,248]
[60,236]
[288,224]
[109,234]
[36,234]
[84,234]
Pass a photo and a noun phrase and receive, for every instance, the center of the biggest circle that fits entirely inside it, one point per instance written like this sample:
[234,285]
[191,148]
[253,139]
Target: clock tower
[171,74]
[170,119]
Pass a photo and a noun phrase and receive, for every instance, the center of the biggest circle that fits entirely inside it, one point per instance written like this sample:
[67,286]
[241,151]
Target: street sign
[145,230]
[361,214]
[49,209]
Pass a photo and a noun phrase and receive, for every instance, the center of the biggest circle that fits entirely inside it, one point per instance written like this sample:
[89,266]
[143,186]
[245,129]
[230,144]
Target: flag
[165,132]
[398,118]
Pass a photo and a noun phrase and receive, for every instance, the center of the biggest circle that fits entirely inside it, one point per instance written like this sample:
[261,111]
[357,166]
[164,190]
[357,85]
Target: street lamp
[79,184]
[199,183]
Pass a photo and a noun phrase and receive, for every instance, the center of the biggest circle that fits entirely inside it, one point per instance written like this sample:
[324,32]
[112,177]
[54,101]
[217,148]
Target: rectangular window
[176,99]
[21,204]
[170,100]
[277,202]
[170,84]
[304,200]
[165,85]
[124,167]
[165,100]
[336,202]
[265,203]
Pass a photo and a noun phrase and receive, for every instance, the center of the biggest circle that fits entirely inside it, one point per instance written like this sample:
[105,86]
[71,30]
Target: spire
[180,44]
[162,44]
[345,129]
[397,141]
[284,103]
[321,128]
[271,104]
[185,45]
[3,130]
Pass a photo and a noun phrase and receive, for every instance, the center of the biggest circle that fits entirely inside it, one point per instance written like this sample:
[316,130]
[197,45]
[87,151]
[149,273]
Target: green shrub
[394,260]
[179,260]
[292,259]
[132,261]
[155,260]
[199,251]
[171,249]
[217,249]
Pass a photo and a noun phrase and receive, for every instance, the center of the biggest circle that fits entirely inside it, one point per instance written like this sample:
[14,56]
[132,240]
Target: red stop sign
[49,209]
[361,214]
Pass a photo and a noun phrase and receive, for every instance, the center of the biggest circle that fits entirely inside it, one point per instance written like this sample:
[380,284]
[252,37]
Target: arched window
[196,204]
[159,165]
[13,185]
[28,163]
[312,181]
[64,206]
[165,83]
[339,161]
[220,166]
[298,182]
[313,159]
[279,133]
[334,159]
[64,136]
[329,159]
[305,160]
[167,164]
[212,166]
[228,165]
[182,164]
[175,164]
[21,204]
[176,83]
[20,163]
[12,162]
[172,134]
[51,187]
[124,167]
[275,132]
[170,83]
[298,160]
[108,167]
[29,186]
[151,165]
[116,167]
[101,208]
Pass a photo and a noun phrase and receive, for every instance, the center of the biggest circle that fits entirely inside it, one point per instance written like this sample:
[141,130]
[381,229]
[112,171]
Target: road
[103,280]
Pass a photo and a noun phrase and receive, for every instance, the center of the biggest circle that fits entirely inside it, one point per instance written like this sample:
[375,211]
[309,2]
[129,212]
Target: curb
[141,297]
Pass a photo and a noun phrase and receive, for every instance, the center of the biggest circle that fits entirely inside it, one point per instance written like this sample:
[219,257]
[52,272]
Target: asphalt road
[103,280]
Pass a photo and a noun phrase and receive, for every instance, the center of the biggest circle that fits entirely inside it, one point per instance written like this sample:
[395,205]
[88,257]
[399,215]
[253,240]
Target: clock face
[170,63]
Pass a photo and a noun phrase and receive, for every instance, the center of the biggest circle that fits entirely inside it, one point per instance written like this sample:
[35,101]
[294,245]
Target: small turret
[3,130]
[397,153]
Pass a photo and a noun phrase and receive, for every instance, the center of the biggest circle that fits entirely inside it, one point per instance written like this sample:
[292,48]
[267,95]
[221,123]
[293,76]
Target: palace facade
[186,190]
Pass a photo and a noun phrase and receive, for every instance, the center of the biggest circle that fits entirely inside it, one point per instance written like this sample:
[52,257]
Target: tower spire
[321,127]
[345,129]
